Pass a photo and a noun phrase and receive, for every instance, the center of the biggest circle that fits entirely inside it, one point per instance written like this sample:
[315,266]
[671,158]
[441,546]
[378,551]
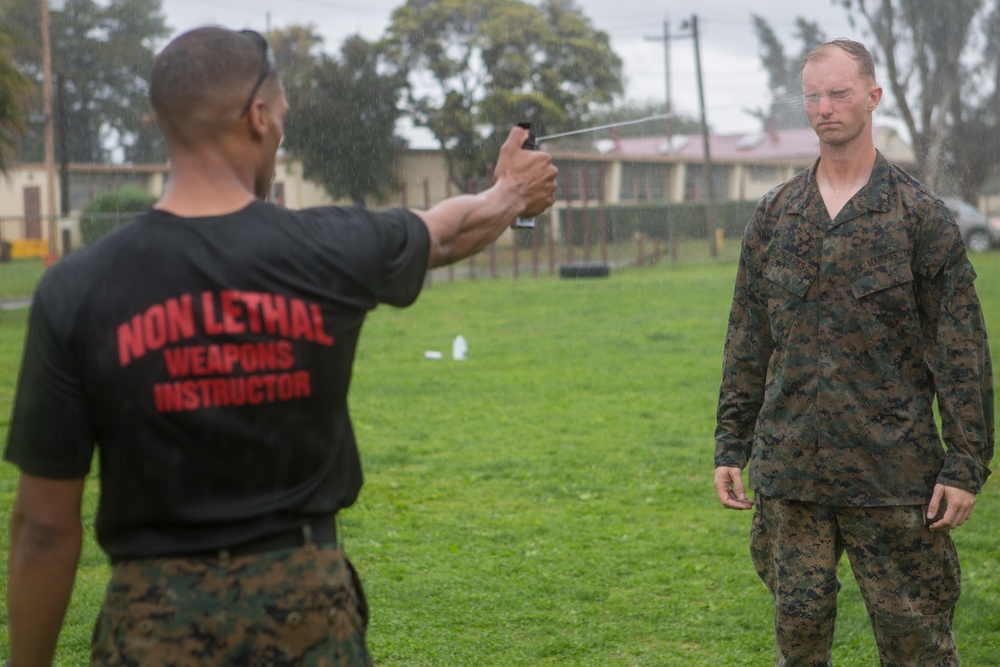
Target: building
[672,170]
[24,196]
[621,172]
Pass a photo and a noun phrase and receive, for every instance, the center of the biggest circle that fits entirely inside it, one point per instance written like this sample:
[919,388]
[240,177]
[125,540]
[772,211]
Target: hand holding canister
[530,144]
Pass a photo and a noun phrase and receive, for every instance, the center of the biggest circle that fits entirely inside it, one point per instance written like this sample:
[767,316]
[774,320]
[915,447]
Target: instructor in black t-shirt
[205,350]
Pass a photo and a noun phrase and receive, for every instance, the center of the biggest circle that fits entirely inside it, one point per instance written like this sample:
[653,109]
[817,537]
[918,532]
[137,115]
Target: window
[764,174]
[570,185]
[695,187]
[644,182]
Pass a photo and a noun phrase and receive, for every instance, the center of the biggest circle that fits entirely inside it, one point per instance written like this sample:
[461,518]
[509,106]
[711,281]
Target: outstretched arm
[45,541]
[464,225]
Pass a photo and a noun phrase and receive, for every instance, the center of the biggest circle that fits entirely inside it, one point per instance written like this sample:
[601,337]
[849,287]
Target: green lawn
[18,277]
[549,500]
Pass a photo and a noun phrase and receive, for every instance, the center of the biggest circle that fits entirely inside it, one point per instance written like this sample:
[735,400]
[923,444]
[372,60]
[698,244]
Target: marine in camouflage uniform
[841,334]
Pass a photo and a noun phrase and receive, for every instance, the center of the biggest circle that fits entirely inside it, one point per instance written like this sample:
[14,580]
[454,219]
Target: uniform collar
[875,196]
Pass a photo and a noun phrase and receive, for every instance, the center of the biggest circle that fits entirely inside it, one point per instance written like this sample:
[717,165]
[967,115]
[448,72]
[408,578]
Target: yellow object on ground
[25,248]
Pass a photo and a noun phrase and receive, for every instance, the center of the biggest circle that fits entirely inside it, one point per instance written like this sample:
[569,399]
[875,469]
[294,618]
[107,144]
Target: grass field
[18,277]
[549,500]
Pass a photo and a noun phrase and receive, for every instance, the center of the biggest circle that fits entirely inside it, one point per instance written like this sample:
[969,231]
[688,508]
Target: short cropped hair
[856,50]
[199,73]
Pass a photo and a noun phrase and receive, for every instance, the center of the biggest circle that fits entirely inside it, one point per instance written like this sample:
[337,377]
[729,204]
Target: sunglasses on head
[266,67]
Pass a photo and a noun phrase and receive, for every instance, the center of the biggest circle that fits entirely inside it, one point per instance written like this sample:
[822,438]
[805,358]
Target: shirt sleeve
[405,244]
[745,359]
[51,430]
[384,254]
[958,354]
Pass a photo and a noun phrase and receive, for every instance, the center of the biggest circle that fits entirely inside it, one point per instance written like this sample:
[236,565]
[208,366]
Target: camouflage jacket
[841,333]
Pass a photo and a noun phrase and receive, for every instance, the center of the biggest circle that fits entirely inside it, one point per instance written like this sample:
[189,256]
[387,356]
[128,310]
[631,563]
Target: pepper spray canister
[531,144]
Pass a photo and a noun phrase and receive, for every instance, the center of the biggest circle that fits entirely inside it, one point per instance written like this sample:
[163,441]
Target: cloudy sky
[731,69]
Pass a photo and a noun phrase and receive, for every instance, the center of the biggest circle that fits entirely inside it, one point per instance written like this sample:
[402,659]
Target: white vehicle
[980,232]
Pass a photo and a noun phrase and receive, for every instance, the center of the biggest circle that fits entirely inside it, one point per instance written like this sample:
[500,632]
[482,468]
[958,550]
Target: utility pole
[713,246]
[50,151]
[666,60]
[62,138]
[668,124]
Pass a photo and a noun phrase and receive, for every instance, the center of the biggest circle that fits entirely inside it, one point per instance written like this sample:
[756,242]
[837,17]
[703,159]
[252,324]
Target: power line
[242,8]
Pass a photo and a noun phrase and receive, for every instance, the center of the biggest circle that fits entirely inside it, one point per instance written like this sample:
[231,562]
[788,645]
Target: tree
[104,54]
[921,46]
[343,115]
[14,90]
[476,67]
[296,53]
[784,79]
[977,115]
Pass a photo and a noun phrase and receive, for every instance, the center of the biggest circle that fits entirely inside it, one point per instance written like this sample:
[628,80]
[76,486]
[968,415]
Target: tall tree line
[475,67]
[15,88]
[101,58]
[464,70]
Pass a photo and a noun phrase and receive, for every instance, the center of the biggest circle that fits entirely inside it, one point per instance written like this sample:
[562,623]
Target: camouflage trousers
[909,578]
[302,607]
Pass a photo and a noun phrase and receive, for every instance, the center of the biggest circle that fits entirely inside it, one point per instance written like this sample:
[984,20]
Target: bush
[688,220]
[112,209]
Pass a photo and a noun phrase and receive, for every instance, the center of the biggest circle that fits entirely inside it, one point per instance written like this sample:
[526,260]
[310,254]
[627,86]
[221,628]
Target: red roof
[779,145]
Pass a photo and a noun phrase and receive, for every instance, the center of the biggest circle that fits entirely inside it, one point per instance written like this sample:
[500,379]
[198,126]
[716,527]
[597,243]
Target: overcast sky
[731,70]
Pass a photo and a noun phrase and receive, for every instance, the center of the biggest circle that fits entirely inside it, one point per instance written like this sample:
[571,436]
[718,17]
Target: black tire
[584,271]
[978,240]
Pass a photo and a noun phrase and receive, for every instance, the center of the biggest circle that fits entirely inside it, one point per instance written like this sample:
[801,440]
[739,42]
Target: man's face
[838,100]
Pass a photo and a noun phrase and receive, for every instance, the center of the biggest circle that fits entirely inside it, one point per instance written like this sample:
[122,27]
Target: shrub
[112,209]
[688,220]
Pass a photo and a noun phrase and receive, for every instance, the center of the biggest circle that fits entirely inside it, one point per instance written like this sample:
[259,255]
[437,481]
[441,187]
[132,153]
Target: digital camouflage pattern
[300,607]
[839,336]
[909,578]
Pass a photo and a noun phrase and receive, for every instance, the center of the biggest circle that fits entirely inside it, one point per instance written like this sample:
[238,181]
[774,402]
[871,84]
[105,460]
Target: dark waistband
[319,531]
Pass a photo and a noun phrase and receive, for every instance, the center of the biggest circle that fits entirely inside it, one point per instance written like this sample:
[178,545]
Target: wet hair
[201,79]
[856,50]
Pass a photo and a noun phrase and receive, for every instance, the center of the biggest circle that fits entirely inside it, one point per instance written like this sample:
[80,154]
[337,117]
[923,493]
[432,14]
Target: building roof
[99,168]
[798,145]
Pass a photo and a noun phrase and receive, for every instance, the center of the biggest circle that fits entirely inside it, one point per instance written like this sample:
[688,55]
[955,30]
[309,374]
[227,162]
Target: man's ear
[257,117]
[874,96]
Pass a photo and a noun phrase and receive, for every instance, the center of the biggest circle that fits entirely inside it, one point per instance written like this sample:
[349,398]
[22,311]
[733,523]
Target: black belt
[319,531]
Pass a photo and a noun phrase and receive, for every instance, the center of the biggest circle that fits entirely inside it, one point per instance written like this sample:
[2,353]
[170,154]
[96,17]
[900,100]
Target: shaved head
[856,50]
[201,80]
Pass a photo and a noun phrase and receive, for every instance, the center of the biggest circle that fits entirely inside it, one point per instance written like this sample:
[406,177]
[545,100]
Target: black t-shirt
[209,360]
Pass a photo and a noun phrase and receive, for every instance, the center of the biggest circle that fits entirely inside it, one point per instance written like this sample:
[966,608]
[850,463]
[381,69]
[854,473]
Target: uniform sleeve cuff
[730,456]
[963,473]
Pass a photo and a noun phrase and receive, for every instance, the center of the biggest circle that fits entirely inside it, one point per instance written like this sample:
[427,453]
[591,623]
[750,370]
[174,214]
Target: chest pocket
[788,281]
[887,310]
